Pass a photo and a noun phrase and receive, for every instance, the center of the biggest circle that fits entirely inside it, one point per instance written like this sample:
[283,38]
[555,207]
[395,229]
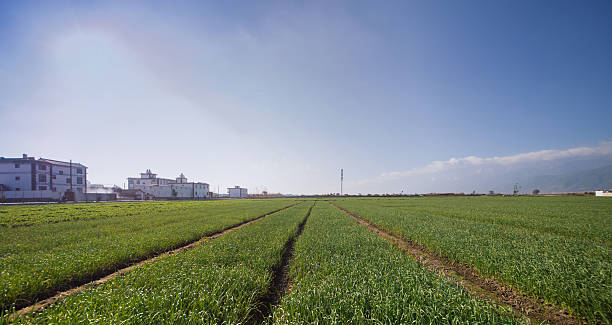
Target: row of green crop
[345,274]
[571,272]
[221,281]
[27,215]
[39,260]
[568,216]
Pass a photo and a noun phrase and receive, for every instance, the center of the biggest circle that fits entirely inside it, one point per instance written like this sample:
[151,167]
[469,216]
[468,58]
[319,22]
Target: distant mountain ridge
[582,181]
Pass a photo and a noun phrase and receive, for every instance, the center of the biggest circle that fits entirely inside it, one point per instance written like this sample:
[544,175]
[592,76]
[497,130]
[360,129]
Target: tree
[491,192]
[535,192]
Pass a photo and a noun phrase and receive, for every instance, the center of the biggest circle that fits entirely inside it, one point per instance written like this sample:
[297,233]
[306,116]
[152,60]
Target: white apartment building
[29,178]
[603,193]
[166,188]
[146,179]
[237,192]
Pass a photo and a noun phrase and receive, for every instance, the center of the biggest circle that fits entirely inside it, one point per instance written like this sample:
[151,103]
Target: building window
[53,189]
[68,180]
[53,177]
[42,178]
[17,189]
[42,188]
[79,170]
[79,189]
[17,178]
[16,165]
[79,180]
[61,172]
[42,167]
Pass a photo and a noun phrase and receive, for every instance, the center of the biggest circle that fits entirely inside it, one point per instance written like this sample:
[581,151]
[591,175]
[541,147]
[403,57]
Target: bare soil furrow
[281,280]
[40,305]
[472,281]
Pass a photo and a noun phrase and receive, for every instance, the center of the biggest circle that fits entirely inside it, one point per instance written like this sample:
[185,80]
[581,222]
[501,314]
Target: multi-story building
[237,192]
[146,179]
[166,188]
[28,178]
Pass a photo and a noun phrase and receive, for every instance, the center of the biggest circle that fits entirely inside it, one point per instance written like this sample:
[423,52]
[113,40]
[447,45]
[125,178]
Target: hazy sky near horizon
[280,95]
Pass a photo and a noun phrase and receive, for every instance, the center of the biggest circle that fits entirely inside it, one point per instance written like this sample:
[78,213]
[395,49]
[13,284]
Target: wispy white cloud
[604,149]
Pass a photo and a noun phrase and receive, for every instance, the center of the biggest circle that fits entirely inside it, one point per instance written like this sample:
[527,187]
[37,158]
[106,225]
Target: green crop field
[346,274]
[221,281]
[555,250]
[16,216]
[43,258]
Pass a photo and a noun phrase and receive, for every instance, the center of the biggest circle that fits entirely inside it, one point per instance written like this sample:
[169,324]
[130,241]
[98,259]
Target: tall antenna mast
[341,179]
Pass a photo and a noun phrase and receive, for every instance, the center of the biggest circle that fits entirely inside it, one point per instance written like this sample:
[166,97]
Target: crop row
[40,260]
[221,281]
[569,216]
[27,215]
[345,274]
[574,273]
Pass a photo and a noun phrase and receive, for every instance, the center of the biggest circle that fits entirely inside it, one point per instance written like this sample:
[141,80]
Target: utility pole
[341,180]
[516,189]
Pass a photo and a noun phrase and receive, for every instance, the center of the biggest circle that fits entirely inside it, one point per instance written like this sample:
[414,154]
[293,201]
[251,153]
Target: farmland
[558,249]
[307,261]
[194,287]
[345,274]
[40,259]
[18,216]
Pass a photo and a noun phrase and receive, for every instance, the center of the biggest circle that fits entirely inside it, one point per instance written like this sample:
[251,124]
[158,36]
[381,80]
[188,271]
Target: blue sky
[281,95]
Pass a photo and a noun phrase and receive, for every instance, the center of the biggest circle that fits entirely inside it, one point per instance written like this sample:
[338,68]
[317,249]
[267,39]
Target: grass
[222,281]
[527,243]
[28,215]
[558,249]
[41,259]
[570,216]
[345,274]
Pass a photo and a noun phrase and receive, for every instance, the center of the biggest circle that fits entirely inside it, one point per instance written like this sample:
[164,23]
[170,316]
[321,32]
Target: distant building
[29,179]
[603,193]
[99,192]
[130,194]
[147,178]
[165,188]
[237,192]
[99,188]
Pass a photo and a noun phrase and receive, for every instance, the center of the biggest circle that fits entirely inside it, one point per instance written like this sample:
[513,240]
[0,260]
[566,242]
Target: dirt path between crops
[40,305]
[487,288]
[281,282]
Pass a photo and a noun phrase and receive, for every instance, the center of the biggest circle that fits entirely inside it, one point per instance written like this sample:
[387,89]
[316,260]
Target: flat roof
[60,163]
[43,160]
